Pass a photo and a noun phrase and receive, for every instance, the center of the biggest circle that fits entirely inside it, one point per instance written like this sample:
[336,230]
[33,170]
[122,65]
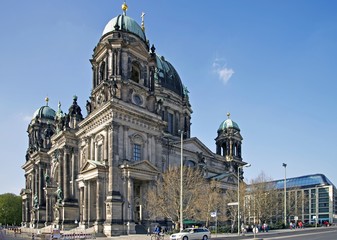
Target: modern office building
[93,171]
[310,199]
[318,198]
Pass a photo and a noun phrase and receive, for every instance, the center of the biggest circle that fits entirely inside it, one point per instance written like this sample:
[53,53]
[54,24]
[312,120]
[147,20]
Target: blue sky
[271,64]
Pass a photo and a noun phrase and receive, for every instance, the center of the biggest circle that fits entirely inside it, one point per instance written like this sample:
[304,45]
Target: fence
[77,236]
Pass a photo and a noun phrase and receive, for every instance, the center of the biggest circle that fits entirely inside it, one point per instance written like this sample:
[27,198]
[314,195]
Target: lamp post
[285,193]
[247,165]
[181,180]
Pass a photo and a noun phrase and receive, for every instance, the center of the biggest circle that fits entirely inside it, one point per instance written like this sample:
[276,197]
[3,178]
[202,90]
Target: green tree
[10,209]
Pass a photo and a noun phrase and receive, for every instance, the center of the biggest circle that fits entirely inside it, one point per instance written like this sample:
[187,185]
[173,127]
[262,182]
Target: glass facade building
[310,199]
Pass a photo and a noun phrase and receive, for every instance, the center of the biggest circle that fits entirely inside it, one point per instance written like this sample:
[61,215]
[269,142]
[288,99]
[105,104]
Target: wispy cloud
[220,68]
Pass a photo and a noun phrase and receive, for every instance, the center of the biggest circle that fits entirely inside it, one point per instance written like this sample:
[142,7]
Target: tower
[229,140]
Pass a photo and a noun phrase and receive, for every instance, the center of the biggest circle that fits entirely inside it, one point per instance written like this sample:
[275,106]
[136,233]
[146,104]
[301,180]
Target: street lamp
[181,180]
[285,193]
[247,165]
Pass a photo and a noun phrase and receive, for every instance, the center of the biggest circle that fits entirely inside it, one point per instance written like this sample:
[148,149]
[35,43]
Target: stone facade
[94,171]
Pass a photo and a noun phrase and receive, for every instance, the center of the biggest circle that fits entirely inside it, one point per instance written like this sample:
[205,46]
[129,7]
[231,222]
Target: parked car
[192,234]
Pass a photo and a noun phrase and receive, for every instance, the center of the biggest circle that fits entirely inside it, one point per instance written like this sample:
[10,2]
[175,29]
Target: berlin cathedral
[92,170]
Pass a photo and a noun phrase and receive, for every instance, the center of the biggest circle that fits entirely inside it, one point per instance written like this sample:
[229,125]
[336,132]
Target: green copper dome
[167,76]
[45,112]
[228,123]
[124,23]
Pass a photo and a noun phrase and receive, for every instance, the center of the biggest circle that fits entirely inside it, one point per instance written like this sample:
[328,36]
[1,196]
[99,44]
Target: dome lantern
[229,140]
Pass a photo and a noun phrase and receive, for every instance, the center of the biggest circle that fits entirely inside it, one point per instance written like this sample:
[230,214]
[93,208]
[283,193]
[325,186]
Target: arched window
[170,123]
[190,163]
[101,71]
[135,73]
[137,153]
[99,143]
[137,143]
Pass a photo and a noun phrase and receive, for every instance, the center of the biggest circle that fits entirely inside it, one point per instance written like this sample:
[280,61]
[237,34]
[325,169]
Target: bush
[278,225]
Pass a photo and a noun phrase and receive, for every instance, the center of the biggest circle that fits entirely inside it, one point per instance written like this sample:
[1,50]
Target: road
[322,233]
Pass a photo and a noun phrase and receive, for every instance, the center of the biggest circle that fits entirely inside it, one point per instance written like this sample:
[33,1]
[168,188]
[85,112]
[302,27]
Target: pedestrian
[300,224]
[148,231]
[243,229]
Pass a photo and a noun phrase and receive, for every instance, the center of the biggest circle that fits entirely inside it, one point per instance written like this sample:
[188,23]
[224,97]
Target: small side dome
[124,23]
[228,123]
[45,112]
[167,76]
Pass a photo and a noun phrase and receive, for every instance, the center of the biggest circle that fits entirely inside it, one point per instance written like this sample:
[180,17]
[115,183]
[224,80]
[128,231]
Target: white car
[192,234]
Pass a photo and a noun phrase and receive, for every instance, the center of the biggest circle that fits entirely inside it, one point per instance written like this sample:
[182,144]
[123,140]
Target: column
[35,184]
[47,208]
[40,191]
[81,201]
[113,63]
[106,144]
[89,203]
[60,178]
[118,62]
[85,202]
[87,153]
[231,148]
[117,144]
[99,197]
[72,172]
[23,209]
[106,70]
[109,140]
[109,64]
[65,173]
[126,196]
[125,145]
[92,147]
[130,197]
[26,215]
[146,147]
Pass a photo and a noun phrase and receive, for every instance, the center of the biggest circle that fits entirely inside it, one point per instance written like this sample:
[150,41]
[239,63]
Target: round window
[137,99]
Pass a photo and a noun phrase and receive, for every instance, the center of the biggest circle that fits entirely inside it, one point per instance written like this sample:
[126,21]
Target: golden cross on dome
[47,100]
[124,8]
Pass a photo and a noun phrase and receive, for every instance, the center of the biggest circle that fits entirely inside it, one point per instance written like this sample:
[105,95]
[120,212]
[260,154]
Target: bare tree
[230,212]
[199,196]
[262,199]
[211,201]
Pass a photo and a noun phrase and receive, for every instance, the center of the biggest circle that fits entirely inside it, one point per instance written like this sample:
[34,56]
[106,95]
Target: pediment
[228,177]
[195,145]
[91,165]
[141,170]
[144,165]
